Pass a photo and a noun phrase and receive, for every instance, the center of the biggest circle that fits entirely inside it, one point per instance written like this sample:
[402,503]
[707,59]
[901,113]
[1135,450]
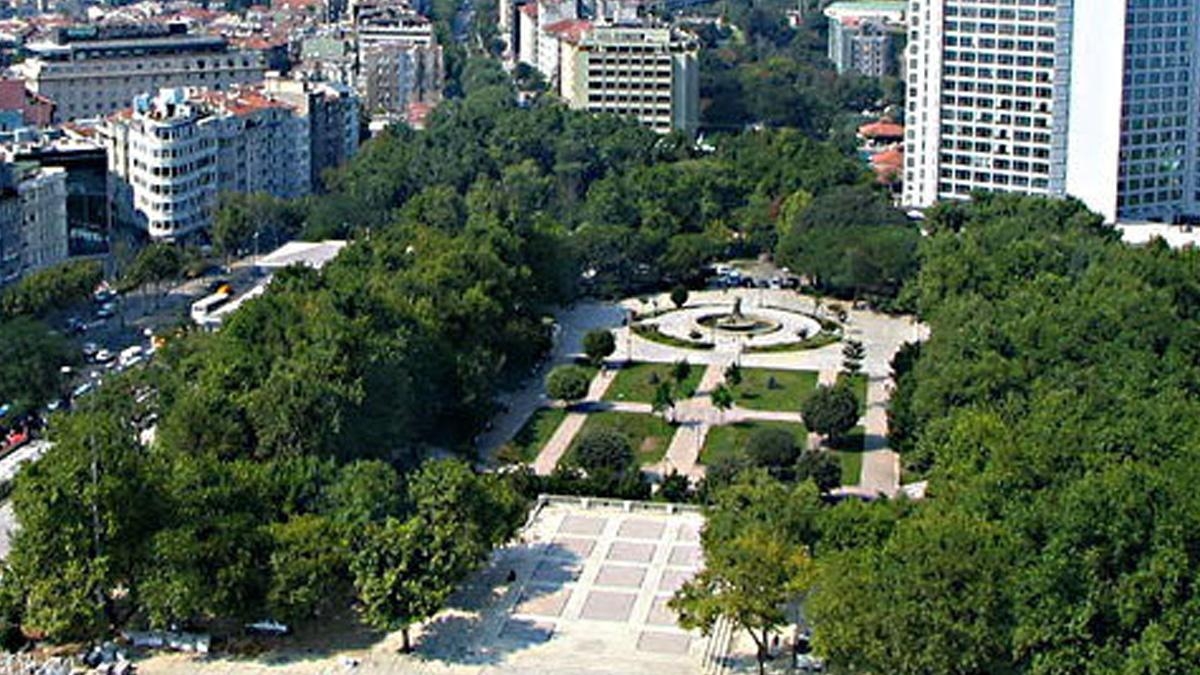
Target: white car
[104,356]
[268,627]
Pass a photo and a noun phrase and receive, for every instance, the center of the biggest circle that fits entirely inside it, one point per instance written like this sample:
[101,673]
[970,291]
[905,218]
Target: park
[689,384]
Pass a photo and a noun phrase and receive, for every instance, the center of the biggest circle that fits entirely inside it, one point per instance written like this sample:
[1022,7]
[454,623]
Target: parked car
[268,627]
[104,356]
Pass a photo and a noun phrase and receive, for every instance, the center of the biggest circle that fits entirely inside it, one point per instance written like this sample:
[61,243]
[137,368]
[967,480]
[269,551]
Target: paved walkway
[881,466]
[558,444]
[695,416]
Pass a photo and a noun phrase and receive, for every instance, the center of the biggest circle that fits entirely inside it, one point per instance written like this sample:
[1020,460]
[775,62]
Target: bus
[202,309]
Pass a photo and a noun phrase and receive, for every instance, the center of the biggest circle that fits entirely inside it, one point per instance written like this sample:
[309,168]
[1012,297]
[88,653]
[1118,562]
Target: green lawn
[648,434]
[636,382]
[538,429]
[858,384]
[729,440]
[851,466]
[788,393]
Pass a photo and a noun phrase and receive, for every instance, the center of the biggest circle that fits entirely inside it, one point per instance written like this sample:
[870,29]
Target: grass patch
[815,342]
[729,440]
[788,393]
[648,434]
[634,382]
[851,463]
[533,435]
[651,333]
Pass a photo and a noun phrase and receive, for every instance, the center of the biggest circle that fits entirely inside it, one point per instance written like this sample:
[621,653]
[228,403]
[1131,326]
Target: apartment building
[863,36]
[91,71]
[173,154]
[332,113]
[400,62]
[648,73]
[1052,97]
[42,195]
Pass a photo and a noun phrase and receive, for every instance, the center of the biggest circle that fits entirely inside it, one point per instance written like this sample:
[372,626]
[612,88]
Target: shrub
[568,383]
[604,450]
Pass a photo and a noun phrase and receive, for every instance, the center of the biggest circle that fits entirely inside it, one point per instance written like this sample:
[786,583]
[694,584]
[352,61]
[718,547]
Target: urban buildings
[863,36]
[77,152]
[90,71]
[1095,101]
[171,155]
[332,113]
[399,60]
[33,219]
[20,107]
[644,72]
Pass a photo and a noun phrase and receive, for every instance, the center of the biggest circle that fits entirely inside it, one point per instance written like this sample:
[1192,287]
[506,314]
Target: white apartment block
[648,73]
[1054,97]
[42,193]
[173,154]
[95,71]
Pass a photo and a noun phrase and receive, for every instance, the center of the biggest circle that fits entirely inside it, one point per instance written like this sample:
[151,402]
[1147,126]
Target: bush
[679,296]
[568,383]
[772,449]
[831,411]
[604,450]
[820,467]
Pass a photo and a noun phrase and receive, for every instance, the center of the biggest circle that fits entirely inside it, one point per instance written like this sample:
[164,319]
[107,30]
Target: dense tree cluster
[598,194]
[50,289]
[756,70]
[115,534]
[1055,413]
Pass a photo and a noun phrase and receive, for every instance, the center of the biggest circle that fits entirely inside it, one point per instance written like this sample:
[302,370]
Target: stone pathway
[696,416]
[881,466]
[558,444]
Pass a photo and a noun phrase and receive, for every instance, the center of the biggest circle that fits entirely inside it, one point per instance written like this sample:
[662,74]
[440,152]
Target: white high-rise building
[173,154]
[1095,100]
[648,73]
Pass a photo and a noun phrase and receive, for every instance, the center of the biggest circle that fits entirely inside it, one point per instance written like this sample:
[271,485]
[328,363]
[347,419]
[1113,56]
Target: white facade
[42,193]
[1048,97]
[92,79]
[650,74]
[174,154]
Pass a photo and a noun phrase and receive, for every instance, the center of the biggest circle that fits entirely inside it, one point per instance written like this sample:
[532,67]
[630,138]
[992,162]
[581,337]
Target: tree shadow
[480,627]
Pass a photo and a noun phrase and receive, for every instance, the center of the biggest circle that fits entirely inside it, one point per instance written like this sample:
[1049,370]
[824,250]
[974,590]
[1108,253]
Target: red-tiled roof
[881,129]
[571,30]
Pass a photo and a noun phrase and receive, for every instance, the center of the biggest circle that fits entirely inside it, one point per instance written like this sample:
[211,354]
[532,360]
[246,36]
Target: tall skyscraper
[1096,100]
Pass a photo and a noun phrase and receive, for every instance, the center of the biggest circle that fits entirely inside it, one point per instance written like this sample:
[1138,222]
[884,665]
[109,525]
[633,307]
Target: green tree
[49,289]
[405,571]
[308,568]
[831,411]
[604,450]
[773,449]
[679,296]
[722,398]
[568,383]
[756,559]
[664,399]
[680,371]
[821,467]
[853,354]
[733,374]
[598,345]
[31,359]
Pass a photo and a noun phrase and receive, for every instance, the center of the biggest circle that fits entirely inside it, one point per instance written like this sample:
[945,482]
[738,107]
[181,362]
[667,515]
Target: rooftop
[307,253]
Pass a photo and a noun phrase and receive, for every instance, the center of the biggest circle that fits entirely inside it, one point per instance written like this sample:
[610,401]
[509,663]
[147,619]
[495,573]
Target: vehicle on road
[104,356]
